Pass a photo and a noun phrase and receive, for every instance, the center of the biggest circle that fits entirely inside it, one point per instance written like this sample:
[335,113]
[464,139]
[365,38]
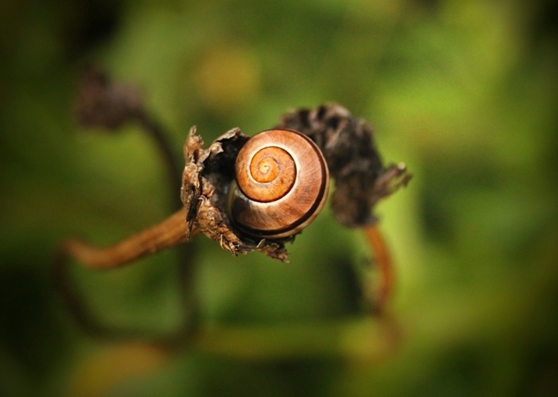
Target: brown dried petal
[103,103]
[353,161]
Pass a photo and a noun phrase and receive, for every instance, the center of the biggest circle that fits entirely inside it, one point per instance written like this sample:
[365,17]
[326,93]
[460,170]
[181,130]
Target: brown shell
[281,184]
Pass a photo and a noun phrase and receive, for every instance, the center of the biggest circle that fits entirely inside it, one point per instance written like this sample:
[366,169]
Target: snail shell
[281,184]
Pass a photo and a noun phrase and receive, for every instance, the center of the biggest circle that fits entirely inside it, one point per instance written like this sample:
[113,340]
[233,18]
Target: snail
[281,185]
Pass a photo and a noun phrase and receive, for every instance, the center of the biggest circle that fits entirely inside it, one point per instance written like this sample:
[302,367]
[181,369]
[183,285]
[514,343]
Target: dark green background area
[464,92]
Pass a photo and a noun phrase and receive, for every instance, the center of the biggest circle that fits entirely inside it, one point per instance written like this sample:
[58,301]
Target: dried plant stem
[160,139]
[168,233]
[382,259]
[105,104]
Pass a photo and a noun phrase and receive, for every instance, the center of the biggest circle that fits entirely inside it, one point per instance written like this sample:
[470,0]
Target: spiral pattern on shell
[281,184]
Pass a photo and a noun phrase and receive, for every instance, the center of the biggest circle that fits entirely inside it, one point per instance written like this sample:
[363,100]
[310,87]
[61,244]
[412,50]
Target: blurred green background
[465,92]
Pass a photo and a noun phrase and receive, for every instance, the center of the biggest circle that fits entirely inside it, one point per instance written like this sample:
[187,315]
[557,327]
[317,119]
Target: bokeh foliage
[465,92]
